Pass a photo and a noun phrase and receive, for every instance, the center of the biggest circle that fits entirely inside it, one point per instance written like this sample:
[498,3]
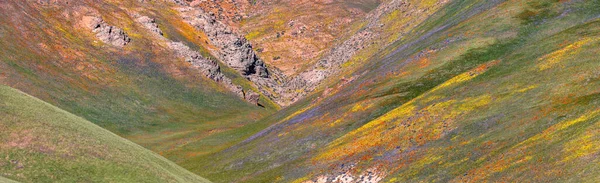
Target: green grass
[43,143]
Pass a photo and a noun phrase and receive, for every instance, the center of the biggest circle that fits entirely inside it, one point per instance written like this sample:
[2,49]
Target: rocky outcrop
[235,51]
[149,23]
[106,33]
[212,70]
[293,34]
[371,175]
[208,68]
[252,97]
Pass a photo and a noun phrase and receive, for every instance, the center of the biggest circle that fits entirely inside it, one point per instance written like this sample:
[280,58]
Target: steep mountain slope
[292,34]
[289,35]
[292,37]
[103,61]
[42,143]
[475,91]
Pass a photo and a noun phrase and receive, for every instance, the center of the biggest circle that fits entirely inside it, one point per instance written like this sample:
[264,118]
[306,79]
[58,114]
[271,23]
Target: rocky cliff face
[235,51]
[208,68]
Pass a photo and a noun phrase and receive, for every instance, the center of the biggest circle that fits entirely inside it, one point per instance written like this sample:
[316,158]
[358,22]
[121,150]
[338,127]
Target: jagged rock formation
[309,80]
[235,51]
[106,33]
[209,68]
[149,23]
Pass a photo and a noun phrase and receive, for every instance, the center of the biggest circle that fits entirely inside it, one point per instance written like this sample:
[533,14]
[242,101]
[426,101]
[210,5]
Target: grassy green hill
[42,143]
[500,91]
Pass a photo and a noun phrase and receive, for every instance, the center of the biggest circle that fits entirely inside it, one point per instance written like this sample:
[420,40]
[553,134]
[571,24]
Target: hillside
[289,35]
[300,90]
[475,91]
[144,90]
[292,34]
[42,143]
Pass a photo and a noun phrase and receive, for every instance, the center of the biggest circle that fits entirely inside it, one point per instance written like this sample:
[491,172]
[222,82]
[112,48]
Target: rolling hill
[42,143]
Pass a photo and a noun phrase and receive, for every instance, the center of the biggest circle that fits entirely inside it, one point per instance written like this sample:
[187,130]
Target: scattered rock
[105,32]
[369,176]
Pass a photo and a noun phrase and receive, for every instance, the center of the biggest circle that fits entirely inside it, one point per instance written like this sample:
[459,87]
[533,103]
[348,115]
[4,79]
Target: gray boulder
[107,33]
[252,97]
